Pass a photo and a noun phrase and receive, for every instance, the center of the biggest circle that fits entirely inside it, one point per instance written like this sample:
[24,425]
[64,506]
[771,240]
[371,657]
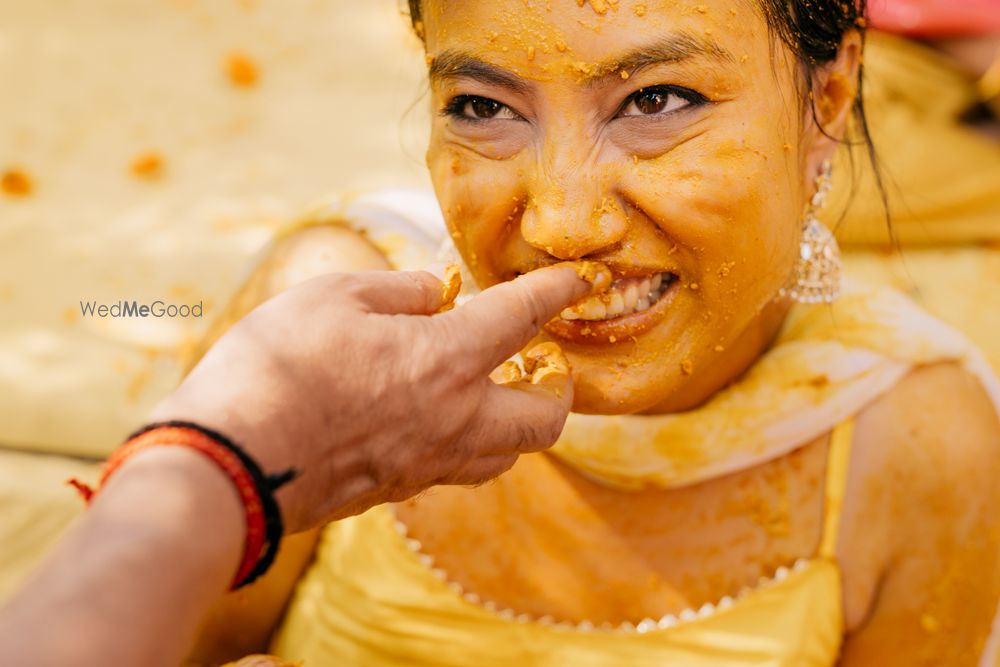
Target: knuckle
[379,471]
[524,438]
[425,294]
[340,281]
[534,436]
[349,287]
[532,309]
[454,355]
[400,493]
[504,464]
[495,467]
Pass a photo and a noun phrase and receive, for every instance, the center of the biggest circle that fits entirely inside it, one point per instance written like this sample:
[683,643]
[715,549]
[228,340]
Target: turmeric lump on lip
[595,273]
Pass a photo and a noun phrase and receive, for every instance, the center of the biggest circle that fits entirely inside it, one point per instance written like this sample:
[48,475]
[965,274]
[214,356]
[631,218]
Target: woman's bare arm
[937,598]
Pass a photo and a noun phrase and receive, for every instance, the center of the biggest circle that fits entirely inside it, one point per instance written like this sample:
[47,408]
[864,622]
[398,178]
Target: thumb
[502,319]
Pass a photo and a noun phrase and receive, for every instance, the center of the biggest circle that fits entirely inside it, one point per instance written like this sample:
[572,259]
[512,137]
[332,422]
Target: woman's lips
[626,309]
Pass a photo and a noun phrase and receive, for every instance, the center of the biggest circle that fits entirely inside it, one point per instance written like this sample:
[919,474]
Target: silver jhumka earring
[816,276]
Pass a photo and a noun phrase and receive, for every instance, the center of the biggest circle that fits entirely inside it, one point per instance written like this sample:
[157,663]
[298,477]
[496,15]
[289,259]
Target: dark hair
[813,30]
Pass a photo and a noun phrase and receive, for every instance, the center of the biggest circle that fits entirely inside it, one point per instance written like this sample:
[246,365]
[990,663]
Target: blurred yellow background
[163,142]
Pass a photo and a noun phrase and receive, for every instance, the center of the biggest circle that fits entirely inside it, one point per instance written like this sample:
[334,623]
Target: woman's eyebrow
[673,48]
[456,64]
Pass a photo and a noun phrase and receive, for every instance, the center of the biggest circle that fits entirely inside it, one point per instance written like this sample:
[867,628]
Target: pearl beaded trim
[627,627]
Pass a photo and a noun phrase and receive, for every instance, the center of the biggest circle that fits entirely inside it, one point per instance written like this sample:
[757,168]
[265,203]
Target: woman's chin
[603,395]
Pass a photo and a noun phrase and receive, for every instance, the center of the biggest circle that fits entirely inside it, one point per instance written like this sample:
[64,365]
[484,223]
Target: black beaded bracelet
[265,485]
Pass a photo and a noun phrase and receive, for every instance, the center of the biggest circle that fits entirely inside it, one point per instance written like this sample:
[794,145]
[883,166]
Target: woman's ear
[833,92]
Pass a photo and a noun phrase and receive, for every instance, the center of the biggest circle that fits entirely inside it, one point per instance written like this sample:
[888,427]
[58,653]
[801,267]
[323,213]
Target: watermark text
[133,308]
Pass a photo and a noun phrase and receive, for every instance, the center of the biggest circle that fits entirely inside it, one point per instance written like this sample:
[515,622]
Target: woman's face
[664,138]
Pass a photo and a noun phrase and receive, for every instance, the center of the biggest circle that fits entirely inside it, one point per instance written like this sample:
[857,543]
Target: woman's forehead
[534,34]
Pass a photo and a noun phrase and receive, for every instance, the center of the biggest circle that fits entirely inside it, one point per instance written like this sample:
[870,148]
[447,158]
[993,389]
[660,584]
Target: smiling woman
[677,143]
[745,481]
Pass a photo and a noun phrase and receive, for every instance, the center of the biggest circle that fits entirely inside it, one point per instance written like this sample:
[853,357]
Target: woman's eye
[471,107]
[660,101]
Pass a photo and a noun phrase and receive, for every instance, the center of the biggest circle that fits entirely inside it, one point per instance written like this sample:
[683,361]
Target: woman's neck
[738,357]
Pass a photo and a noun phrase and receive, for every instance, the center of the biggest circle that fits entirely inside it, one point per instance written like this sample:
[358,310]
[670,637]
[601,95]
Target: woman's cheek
[730,199]
[745,260]
[478,197]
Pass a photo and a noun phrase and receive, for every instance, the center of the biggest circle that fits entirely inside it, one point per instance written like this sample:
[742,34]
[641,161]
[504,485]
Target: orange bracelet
[263,518]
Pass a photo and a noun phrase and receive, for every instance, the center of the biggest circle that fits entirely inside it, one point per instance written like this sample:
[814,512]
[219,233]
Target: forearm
[168,530]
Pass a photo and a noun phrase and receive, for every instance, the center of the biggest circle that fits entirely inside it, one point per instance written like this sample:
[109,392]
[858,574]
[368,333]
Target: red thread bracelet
[223,457]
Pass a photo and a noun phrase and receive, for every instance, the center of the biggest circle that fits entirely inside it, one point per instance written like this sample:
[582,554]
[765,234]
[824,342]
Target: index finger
[501,320]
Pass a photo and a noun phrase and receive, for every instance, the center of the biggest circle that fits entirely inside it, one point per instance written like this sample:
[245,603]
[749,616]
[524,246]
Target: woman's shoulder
[935,439]
[937,421]
[922,495]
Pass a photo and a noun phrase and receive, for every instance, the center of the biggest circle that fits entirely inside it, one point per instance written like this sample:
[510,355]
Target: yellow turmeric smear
[601,7]
[147,166]
[452,284]
[241,70]
[547,364]
[507,373]
[16,183]
[595,273]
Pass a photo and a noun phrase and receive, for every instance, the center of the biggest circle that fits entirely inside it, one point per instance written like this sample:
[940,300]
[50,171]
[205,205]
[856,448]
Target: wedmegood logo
[158,308]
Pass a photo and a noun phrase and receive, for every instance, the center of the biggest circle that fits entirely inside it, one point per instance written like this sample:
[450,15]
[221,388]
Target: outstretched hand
[360,383]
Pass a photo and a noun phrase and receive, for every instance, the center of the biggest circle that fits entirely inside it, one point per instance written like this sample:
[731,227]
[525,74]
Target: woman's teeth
[624,297]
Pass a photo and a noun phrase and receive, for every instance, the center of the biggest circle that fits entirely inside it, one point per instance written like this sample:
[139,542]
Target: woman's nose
[573,217]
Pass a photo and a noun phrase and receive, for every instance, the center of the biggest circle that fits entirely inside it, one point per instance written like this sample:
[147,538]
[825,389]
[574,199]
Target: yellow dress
[371,600]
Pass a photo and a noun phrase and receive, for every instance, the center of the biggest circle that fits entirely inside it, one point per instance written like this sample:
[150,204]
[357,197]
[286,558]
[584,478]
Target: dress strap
[837,467]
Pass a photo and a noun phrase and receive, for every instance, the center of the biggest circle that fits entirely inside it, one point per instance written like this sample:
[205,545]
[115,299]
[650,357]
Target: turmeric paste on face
[674,169]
